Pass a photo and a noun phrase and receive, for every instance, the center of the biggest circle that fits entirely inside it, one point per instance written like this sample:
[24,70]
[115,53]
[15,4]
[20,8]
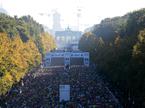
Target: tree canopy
[23,42]
[117,46]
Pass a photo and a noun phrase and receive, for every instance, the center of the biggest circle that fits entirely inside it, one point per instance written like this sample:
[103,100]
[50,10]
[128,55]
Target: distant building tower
[56,22]
[78,17]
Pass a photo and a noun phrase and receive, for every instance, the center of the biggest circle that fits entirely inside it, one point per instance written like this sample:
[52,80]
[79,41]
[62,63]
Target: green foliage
[25,27]
[8,25]
[139,47]
[16,58]
[117,46]
[22,44]
[108,27]
[136,22]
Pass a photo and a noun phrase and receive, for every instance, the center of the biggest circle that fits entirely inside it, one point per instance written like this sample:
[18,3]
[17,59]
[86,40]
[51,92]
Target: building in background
[67,39]
[56,22]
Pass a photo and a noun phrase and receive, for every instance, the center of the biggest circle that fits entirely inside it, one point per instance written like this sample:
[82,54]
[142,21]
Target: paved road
[40,89]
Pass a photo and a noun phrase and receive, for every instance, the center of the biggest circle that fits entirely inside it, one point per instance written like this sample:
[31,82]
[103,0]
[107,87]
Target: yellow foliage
[15,59]
[32,53]
[5,83]
[48,42]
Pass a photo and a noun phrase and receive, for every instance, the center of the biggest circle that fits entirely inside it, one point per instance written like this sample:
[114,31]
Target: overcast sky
[92,11]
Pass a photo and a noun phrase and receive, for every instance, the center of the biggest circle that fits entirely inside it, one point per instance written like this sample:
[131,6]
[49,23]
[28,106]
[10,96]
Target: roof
[68,33]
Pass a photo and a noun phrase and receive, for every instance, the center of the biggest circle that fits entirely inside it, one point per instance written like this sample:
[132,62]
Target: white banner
[64,93]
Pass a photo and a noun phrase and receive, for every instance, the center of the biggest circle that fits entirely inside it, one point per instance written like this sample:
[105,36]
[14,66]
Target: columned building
[67,39]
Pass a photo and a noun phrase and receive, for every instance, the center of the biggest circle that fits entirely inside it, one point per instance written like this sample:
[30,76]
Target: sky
[92,11]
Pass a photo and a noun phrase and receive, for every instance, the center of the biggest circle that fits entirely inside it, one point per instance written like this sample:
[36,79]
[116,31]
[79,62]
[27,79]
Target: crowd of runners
[40,89]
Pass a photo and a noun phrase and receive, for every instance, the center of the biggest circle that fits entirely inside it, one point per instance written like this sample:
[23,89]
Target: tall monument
[56,21]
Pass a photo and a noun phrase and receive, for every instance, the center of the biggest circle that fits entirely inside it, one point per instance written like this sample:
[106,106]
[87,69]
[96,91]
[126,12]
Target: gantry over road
[63,58]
